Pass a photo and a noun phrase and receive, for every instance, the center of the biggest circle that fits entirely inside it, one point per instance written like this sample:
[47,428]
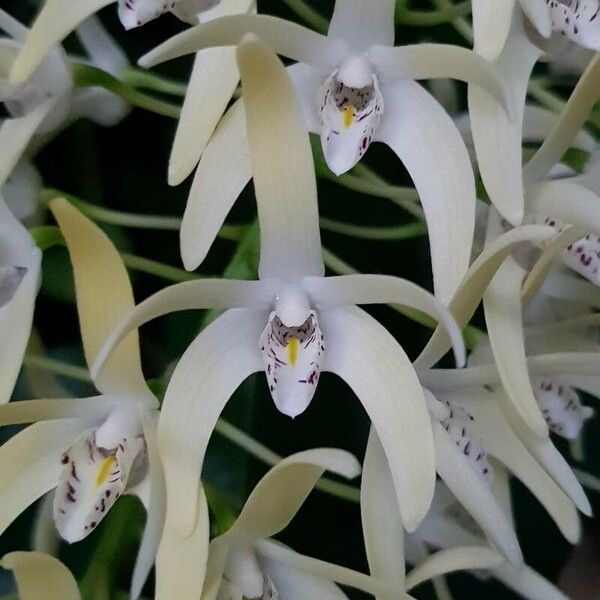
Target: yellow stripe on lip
[292,351]
[105,468]
[348,115]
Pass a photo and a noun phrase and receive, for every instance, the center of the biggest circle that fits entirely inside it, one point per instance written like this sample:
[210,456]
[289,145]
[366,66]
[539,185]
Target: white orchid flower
[244,562]
[502,35]
[293,323]
[453,537]
[20,268]
[46,102]
[40,576]
[355,87]
[90,449]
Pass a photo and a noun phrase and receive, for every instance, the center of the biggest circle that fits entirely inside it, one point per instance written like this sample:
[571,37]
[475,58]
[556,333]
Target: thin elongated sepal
[491,23]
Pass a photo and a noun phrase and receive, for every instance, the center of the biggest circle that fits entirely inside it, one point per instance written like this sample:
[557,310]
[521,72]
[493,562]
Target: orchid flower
[39,576]
[20,266]
[244,562]
[293,323]
[355,87]
[90,449]
[451,534]
[502,35]
[47,101]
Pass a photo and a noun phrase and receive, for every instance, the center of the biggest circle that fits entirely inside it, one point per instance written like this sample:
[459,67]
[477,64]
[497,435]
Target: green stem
[57,367]
[399,232]
[537,90]
[138,78]
[430,18]
[460,24]
[153,267]
[306,12]
[86,75]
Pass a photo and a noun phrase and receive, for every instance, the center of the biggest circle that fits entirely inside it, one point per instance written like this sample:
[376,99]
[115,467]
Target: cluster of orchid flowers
[444,442]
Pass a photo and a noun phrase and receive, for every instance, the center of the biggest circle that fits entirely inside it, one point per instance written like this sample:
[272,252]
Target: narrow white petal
[528,583]
[363,23]
[40,576]
[434,61]
[475,283]
[381,523]
[211,369]
[582,100]
[453,559]
[17,315]
[328,292]
[156,508]
[56,20]
[10,25]
[372,363]
[15,135]
[425,138]
[307,82]
[539,15]
[282,163]
[182,559]
[101,48]
[202,293]
[474,495]
[224,171]
[30,464]
[212,84]
[281,492]
[96,261]
[285,37]
[504,319]
[491,23]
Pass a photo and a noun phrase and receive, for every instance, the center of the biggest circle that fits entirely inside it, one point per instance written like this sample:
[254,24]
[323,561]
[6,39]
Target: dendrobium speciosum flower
[20,266]
[449,532]
[91,449]
[243,562]
[47,101]
[40,576]
[293,323]
[355,87]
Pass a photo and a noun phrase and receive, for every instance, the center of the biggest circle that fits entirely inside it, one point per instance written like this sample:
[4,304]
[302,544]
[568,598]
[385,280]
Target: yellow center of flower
[105,468]
[292,351]
[348,115]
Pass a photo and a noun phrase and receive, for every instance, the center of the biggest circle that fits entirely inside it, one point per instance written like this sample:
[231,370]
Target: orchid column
[292,323]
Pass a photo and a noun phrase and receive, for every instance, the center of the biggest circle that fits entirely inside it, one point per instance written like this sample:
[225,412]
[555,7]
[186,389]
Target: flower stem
[315,19]
[57,367]
[400,232]
[137,78]
[421,18]
[153,267]
[460,23]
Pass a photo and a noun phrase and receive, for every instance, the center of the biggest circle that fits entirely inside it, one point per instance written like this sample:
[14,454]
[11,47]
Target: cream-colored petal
[582,100]
[104,295]
[454,559]
[181,560]
[504,320]
[211,369]
[281,492]
[474,495]
[156,508]
[201,293]
[471,290]
[425,138]
[10,25]
[212,84]
[498,140]
[371,362]
[434,61]
[328,292]
[40,576]
[54,22]
[224,171]
[282,163]
[285,37]
[28,411]
[538,14]
[528,583]
[491,23]
[363,23]
[30,464]
[381,523]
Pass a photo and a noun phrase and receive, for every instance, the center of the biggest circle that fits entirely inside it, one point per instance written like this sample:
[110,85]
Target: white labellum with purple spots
[579,20]
[134,13]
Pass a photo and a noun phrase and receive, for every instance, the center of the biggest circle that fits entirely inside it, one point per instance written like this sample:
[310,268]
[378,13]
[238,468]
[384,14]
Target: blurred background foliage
[124,168]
